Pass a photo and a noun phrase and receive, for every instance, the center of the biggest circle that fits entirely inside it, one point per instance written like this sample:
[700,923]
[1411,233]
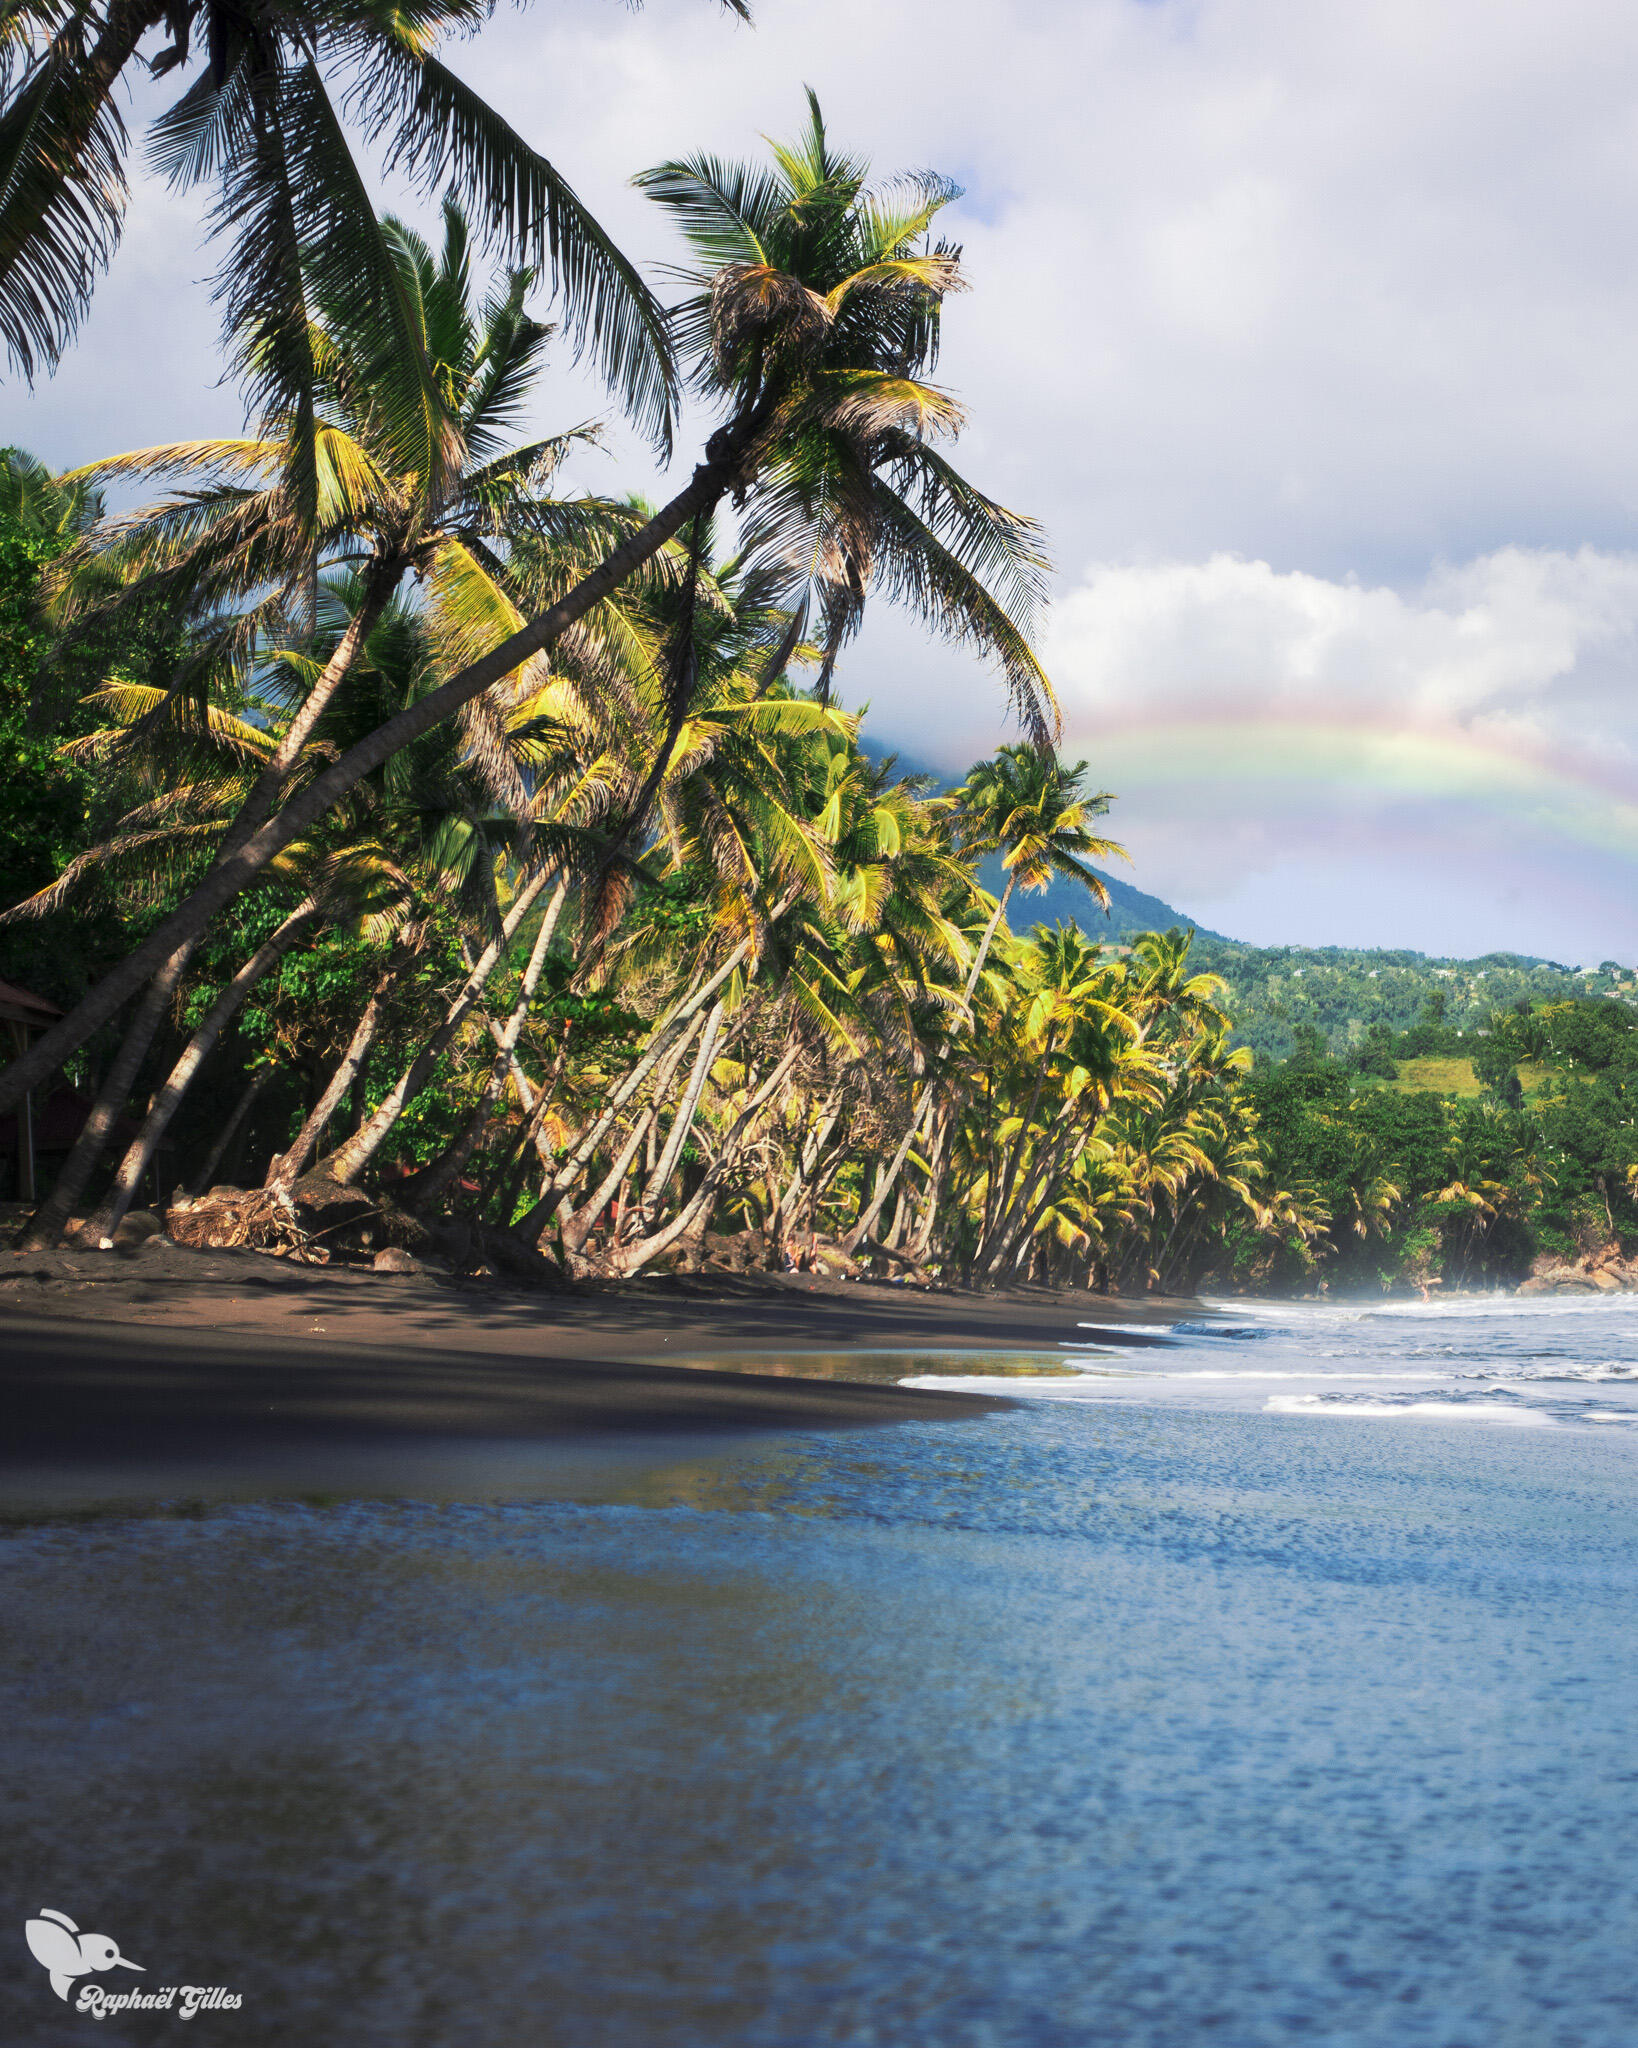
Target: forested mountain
[1130,909]
[1342,992]
[1339,991]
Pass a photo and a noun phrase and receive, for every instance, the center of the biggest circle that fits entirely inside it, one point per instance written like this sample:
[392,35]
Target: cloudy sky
[1308,331]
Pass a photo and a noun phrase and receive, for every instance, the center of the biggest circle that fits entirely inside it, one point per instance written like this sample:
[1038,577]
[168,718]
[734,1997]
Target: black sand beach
[118,1357]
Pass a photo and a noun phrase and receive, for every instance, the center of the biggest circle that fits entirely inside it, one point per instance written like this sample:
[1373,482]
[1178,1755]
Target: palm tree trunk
[48,1220]
[1018,1223]
[725,453]
[987,941]
[1164,1262]
[1008,1191]
[345,1164]
[824,1179]
[921,1238]
[575,1229]
[514,1066]
[682,1123]
[527,1095]
[631,1259]
[887,1180]
[533,1133]
[653,1144]
[662,1040]
[807,1160]
[890,1180]
[381,577]
[100,1229]
[286,1167]
[438,1177]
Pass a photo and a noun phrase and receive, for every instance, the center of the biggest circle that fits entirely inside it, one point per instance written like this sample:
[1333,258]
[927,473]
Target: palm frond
[916,567]
[725,211]
[62,186]
[151,861]
[208,460]
[1006,549]
[444,135]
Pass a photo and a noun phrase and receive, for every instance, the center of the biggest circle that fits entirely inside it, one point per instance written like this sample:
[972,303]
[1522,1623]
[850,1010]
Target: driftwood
[269,1220]
[320,1222]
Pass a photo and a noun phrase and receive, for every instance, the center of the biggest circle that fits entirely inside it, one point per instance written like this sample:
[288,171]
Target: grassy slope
[1440,1075]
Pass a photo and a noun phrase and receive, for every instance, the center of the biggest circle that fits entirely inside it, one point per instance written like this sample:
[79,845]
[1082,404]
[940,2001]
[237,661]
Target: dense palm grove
[416,852]
[788,1008]
[788,1015]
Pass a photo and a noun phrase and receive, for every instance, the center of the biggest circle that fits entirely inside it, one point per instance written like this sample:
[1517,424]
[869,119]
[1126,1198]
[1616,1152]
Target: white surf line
[1156,1330]
[1323,1379]
[1410,1411]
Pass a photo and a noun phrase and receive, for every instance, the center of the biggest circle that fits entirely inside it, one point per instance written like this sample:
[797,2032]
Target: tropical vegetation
[424,853]
[784,1021]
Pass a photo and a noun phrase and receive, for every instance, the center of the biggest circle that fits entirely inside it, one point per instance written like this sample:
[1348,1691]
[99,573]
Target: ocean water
[1237,1688]
[1476,1359]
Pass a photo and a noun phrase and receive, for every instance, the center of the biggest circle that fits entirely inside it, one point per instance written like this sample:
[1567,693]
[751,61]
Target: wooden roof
[19,1006]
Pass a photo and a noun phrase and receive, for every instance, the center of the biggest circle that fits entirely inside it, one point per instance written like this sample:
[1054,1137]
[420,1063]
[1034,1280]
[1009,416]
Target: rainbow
[1572,796]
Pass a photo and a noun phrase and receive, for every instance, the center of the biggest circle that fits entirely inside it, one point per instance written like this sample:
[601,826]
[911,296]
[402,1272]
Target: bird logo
[58,1946]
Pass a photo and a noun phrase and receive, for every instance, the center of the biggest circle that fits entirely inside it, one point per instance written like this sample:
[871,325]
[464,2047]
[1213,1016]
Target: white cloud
[1500,640]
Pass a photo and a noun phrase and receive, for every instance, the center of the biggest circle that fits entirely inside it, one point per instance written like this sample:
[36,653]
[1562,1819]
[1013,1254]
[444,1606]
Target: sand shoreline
[115,1360]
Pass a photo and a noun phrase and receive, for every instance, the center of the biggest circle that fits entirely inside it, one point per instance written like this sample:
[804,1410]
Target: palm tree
[1074,1045]
[814,317]
[263,120]
[1165,986]
[415,476]
[405,466]
[731,814]
[33,502]
[819,366]
[849,949]
[1495,1167]
[1033,810]
[507,807]
[1368,1198]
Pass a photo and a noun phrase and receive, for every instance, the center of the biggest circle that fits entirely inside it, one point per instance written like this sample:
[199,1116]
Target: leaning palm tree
[813,315]
[263,121]
[407,468]
[820,367]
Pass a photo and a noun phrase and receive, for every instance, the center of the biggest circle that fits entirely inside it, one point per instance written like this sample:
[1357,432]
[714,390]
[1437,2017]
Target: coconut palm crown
[812,317]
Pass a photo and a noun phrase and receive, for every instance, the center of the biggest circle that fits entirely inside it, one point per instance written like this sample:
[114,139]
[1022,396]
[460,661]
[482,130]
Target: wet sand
[201,1359]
